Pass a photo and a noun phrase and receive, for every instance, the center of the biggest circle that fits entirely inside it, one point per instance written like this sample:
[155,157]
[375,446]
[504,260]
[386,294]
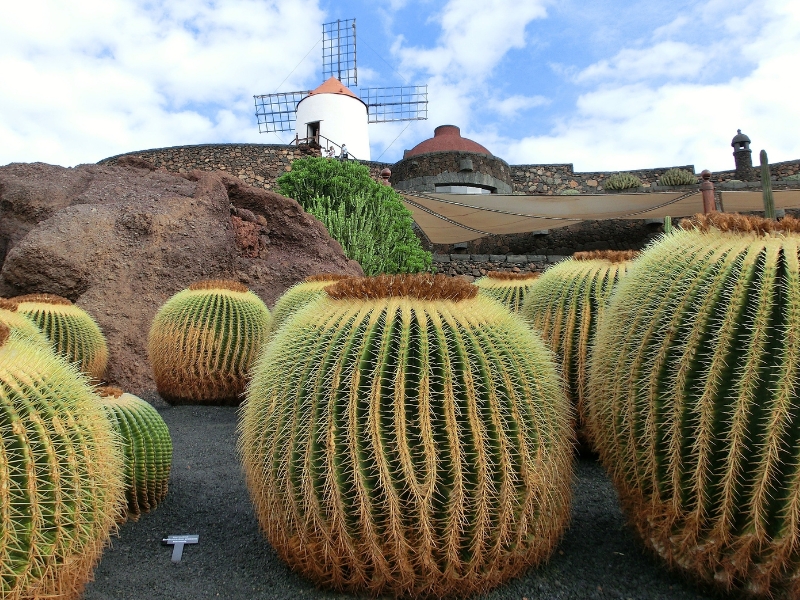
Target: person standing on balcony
[331,152]
[344,155]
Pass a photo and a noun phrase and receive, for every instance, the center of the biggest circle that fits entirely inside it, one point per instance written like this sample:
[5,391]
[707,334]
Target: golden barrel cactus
[146,445]
[60,474]
[695,409]
[404,435]
[565,305]
[19,322]
[203,341]
[508,288]
[72,331]
[297,296]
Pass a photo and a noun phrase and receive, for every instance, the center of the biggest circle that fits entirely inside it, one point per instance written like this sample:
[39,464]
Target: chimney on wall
[743,157]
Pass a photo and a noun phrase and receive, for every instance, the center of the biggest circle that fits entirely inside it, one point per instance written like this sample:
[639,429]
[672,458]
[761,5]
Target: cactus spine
[694,400]
[299,295]
[203,341]
[566,305]
[147,448]
[72,331]
[15,321]
[766,187]
[60,465]
[406,436]
[507,288]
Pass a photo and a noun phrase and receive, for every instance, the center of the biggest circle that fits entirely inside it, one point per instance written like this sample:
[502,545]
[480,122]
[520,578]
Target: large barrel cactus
[299,295]
[203,340]
[695,408]
[508,288]
[72,331]
[147,448]
[16,321]
[565,305]
[60,473]
[403,435]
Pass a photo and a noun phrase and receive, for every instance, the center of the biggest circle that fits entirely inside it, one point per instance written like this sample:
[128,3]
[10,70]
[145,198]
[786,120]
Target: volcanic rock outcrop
[119,240]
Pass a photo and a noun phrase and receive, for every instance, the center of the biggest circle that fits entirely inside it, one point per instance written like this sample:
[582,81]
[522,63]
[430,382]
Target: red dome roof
[446,138]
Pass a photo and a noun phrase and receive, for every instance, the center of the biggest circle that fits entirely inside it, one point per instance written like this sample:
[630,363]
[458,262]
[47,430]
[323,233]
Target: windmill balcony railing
[322,143]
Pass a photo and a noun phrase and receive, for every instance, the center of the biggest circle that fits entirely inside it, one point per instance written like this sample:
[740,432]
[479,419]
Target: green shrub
[678,177]
[795,177]
[367,218]
[622,181]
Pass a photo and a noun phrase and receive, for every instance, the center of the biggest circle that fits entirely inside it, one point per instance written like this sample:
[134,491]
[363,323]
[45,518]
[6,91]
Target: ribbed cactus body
[19,322]
[60,474]
[405,445]
[72,331]
[203,340]
[297,296]
[565,306]
[147,449]
[695,410]
[507,288]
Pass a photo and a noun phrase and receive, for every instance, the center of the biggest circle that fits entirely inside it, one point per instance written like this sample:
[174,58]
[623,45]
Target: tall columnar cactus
[766,187]
[60,473]
[508,288]
[694,411]
[565,306]
[147,449]
[299,295]
[203,341]
[15,321]
[72,331]
[404,435]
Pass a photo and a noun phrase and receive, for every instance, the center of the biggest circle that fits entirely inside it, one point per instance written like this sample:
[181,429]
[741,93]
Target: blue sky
[606,85]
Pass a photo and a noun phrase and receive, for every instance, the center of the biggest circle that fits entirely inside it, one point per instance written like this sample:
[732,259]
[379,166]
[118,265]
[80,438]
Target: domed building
[449,163]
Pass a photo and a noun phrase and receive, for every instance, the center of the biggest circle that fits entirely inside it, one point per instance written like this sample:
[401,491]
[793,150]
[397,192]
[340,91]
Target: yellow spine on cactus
[60,474]
[19,322]
[73,332]
[404,435]
[565,305]
[695,413]
[297,296]
[203,341]
[508,288]
[147,448]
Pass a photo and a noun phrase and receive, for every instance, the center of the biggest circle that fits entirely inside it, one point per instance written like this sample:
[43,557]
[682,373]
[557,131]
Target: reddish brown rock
[119,240]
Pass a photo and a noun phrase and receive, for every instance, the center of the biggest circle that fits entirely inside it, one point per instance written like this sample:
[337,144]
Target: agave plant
[404,435]
[694,383]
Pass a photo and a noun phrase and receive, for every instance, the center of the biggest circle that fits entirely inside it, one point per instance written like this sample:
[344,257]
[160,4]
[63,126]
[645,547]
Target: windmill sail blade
[339,51]
[277,112]
[402,103]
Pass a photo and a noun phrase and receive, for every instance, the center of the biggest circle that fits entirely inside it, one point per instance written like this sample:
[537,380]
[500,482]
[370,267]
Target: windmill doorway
[312,131]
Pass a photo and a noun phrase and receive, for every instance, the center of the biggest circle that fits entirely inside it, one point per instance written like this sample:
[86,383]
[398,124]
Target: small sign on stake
[177,542]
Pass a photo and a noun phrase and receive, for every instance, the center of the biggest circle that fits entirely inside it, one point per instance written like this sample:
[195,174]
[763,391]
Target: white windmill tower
[332,115]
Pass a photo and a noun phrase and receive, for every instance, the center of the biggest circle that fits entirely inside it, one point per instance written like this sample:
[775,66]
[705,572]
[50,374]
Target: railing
[315,142]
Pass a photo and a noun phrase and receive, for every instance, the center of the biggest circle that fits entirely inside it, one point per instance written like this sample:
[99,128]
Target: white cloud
[666,60]
[476,35]
[511,106]
[96,78]
[638,122]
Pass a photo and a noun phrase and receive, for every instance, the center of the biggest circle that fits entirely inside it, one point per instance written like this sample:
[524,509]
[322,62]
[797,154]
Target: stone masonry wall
[435,163]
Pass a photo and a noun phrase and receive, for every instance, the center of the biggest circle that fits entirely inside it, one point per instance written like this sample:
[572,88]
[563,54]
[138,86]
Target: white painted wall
[343,119]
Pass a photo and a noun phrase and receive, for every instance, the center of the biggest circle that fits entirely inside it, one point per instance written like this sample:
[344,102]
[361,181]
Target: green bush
[795,177]
[367,218]
[677,177]
[622,181]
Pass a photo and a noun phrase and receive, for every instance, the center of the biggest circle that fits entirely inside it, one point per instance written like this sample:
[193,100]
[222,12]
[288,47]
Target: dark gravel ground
[598,557]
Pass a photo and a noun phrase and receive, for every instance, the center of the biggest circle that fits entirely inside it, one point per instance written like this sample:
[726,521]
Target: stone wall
[473,266]
[424,172]
[608,234]
[556,179]
[778,171]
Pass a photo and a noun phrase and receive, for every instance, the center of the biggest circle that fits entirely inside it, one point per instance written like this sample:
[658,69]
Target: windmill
[331,114]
